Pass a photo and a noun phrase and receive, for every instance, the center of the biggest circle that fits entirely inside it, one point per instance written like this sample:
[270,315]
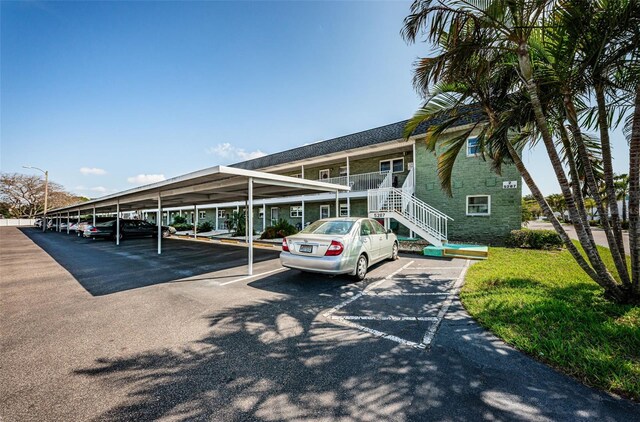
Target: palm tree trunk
[575,180]
[607,162]
[548,212]
[604,277]
[634,196]
[590,179]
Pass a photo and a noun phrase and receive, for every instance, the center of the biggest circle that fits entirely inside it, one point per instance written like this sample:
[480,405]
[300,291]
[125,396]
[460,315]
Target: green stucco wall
[471,176]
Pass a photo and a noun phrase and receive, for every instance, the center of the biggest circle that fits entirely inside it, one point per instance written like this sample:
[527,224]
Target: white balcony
[363,181]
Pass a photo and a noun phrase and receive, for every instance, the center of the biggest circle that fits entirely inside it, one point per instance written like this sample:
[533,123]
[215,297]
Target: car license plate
[306,248]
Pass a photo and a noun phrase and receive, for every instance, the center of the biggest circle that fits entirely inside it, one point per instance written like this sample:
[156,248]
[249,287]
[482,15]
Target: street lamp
[46,193]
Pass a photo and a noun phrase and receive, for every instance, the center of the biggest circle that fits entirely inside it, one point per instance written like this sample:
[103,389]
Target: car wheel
[394,252]
[361,267]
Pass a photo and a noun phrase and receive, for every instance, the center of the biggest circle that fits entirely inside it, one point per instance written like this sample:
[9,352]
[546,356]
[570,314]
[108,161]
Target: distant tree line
[22,195]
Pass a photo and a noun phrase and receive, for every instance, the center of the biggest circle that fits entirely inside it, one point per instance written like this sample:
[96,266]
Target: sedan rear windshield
[108,223]
[329,227]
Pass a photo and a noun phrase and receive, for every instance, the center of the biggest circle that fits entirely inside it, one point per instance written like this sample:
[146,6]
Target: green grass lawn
[544,305]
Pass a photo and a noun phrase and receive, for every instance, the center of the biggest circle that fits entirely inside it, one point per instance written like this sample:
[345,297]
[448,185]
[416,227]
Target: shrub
[205,226]
[178,219]
[269,233]
[181,227]
[281,229]
[534,239]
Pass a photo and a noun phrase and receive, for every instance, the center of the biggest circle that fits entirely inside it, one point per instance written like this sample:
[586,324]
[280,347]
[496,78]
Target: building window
[396,165]
[324,211]
[295,211]
[221,214]
[343,171]
[275,215]
[479,205]
[473,147]
[324,174]
[202,215]
[344,210]
[297,175]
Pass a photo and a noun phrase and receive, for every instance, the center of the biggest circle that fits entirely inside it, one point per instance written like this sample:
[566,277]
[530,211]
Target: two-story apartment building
[392,179]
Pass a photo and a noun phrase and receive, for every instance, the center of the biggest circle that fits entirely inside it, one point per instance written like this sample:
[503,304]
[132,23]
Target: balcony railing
[365,181]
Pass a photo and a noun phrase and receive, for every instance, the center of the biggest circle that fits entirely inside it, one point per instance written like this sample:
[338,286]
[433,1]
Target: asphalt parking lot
[91,331]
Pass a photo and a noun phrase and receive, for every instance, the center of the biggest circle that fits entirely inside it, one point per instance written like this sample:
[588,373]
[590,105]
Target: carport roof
[211,185]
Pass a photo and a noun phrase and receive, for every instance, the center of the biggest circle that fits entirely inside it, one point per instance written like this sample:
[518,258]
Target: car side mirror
[389,231]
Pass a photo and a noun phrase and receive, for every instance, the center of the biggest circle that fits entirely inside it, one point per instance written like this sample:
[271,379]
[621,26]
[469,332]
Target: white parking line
[253,276]
[430,334]
[435,268]
[382,318]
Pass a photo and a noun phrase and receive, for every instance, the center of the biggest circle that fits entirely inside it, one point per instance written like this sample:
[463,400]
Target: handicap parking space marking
[428,337]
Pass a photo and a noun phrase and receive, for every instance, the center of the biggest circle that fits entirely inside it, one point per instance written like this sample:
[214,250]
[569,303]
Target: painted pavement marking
[382,318]
[347,320]
[253,276]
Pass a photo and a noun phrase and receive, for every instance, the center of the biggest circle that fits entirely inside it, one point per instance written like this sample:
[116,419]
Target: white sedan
[339,246]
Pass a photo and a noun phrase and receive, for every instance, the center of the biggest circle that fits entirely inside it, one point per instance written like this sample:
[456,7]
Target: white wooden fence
[13,222]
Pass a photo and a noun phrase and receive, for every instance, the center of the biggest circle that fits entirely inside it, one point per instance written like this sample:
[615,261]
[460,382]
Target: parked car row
[106,228]
[128,228]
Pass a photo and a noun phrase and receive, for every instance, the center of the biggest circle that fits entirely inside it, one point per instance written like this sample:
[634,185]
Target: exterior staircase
[401,205]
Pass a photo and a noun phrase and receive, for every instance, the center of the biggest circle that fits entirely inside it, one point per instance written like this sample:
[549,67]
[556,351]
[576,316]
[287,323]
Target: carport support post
[195,221]
[94,215]
[118,222]
[159,221]
[264,216]
[78,222]
[337,205]
[216,219]
[67,222]
[250,224]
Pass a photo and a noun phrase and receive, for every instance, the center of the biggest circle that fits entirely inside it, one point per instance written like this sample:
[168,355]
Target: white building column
[159,222]
[303,222]
[118,222]
[216,218]
[264,216]
[250,224]
[94,215]
[337,205]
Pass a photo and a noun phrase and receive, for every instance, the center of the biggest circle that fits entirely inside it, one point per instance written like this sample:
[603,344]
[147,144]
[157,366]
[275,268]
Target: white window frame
[390,161]
[222,214]
[295,211]
[202,215]
[476,214]
[471,154]
[324,171]
[328,208]
[342,172]
[344,210]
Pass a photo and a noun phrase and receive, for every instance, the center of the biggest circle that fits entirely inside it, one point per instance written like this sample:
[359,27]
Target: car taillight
[93,229]
[285,246]
[334,249]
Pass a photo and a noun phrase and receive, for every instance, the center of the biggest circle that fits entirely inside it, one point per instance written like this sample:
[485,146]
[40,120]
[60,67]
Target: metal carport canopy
[211,185]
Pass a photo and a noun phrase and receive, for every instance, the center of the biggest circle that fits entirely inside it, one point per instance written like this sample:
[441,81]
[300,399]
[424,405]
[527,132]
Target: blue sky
[107,96]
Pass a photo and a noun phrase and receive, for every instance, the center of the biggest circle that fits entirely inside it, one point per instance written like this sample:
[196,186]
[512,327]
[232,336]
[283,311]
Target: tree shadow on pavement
[279,359]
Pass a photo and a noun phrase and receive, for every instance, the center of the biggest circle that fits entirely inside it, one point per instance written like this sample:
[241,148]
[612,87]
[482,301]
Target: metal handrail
[413,209]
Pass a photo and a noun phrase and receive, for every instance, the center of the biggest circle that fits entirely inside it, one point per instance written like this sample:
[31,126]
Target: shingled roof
[379,135]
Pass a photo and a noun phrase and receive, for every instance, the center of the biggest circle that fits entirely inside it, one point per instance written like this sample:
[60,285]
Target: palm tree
[621,183]
[545,44]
